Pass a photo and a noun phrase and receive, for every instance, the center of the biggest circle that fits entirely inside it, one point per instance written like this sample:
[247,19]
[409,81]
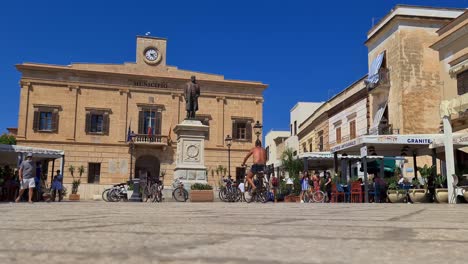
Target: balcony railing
[383,79]
[150,139]
[384,130]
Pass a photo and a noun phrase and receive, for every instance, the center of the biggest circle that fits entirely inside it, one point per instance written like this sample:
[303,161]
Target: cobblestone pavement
[98,232]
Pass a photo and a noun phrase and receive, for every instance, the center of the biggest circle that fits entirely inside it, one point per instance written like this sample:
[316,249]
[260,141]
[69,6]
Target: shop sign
[150,84]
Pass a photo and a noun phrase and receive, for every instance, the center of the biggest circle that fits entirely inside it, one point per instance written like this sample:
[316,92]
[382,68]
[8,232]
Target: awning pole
[366,187]
[415,165]
[449,159]
[62,165]
[52,173]
[335,167]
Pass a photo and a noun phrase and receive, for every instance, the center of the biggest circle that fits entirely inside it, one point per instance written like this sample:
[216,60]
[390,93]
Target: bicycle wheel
[248,195]
[154,191]
[146,193]
[238,195]
[105,194]
[114,195]
[263,196]
[318,196]
[180,194]
[222,194]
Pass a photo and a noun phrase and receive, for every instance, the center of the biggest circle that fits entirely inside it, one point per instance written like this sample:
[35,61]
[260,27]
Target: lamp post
[228,144]
[257,128]
[136,196]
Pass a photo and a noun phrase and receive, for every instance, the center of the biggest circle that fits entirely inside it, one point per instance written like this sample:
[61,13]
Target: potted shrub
[75,196]
[418,194]
[394,193]
[441,191]
[129,189]
[201,192]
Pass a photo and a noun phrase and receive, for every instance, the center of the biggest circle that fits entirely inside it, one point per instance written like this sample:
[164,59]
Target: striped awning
[373,76]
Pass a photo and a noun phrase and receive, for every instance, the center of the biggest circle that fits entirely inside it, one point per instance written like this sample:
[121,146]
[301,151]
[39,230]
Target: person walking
[328,185]
[27,170]
[57,186]
[304,185]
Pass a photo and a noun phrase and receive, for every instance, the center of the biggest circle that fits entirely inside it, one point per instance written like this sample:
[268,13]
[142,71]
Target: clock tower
[151,51]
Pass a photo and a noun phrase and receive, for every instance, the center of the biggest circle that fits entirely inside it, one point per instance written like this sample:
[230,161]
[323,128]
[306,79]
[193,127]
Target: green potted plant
[75,196]
[201,192]
[418,194]
[293,167]
[394,193]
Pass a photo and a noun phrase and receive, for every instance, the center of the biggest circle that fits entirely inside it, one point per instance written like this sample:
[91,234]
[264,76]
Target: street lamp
[136,196]
[258,129]
[228,144]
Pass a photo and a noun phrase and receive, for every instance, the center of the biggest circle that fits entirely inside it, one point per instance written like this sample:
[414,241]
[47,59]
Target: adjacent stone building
[452,46]
[88,109]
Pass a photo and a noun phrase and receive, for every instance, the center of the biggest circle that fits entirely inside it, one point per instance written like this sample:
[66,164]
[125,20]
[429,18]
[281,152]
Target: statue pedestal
[190,157]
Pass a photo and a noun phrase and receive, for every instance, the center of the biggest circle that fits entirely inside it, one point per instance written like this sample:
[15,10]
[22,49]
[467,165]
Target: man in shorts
[259,161]
[27,169]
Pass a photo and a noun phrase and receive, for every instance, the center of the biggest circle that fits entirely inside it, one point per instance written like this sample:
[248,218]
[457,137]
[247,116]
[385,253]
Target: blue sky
[305,50]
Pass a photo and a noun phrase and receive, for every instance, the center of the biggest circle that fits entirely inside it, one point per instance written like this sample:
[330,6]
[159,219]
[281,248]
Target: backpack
[274,182]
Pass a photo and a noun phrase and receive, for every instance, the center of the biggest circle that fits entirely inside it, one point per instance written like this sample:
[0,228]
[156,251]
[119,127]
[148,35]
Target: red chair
[335,195]
[356,192]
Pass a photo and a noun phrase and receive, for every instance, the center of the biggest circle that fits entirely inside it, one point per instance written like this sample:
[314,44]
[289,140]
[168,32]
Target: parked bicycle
[179,194]
[314,196]
[230,192]
[116,193]
[261,192]
[153,191]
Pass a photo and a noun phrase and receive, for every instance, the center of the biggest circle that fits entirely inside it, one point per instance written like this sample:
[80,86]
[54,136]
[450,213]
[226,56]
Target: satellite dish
[147,33]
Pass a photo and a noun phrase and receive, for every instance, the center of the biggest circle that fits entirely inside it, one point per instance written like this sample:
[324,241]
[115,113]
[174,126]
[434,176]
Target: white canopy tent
[13,154]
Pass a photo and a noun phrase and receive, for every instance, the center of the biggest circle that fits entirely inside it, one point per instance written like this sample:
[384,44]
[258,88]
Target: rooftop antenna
[147,33]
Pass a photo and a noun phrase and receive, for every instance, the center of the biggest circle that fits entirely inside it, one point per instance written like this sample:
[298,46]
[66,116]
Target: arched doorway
[147,166]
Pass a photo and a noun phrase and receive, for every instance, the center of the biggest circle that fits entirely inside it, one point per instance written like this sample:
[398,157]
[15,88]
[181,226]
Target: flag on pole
[169,139]
[150,131]
[129,133]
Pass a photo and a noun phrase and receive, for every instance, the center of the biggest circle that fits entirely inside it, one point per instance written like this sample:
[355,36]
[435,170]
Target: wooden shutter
[141,122]
[105,123]
[338,135]
[248,131]
[88,122]
[158,125]
[234,130]
[462,83]
[36,120]
[55,120]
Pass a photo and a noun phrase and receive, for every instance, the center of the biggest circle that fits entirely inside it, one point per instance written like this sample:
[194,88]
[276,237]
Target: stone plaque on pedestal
[190,155]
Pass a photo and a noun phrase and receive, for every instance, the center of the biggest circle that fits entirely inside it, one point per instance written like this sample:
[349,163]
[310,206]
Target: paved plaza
[98,232]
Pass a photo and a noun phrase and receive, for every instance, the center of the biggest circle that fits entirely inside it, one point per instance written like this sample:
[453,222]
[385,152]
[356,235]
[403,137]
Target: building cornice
[55,68]
[127,89]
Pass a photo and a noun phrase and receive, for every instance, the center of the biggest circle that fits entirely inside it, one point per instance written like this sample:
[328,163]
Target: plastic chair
[356,192]
[335,194]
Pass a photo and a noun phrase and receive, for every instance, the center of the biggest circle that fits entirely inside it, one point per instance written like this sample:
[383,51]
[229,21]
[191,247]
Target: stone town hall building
[86,109]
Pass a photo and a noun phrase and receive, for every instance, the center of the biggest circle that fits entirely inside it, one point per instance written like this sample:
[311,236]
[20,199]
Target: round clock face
[151,54]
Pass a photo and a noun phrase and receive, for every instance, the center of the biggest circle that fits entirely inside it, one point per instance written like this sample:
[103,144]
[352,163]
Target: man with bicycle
[259,161]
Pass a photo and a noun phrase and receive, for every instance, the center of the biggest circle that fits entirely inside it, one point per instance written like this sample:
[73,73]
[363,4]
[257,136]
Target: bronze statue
[192,92]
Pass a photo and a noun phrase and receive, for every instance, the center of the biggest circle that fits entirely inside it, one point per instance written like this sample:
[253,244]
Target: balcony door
[149,122]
